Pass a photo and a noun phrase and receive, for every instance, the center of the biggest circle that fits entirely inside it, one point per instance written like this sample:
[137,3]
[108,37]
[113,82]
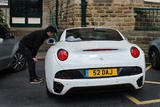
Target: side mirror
[51,41]
[1,40]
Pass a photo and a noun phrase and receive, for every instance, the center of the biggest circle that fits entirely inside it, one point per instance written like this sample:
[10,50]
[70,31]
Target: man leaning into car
[29,46]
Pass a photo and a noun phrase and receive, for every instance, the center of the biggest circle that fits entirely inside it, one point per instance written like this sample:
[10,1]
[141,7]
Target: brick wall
[114,14]
[66,14]
[69,14]
[118,14]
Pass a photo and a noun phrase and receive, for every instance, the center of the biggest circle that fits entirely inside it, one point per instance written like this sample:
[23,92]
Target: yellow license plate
[101,72]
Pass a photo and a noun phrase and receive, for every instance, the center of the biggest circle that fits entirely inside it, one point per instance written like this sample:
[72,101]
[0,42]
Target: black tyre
[18,63]
[155,58]
[49,94]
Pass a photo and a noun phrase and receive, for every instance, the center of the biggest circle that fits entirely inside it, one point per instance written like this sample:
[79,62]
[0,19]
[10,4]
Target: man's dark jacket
[34,40]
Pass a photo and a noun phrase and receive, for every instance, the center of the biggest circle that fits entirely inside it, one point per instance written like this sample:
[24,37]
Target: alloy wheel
[18,62]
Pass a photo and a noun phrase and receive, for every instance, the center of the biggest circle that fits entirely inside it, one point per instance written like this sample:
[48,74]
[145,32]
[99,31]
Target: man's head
[50,30]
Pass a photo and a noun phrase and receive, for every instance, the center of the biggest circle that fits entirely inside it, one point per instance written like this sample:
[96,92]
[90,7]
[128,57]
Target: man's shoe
[40,78]
[36,81]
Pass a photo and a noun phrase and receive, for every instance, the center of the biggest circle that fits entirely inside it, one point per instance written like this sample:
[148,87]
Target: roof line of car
[88,27]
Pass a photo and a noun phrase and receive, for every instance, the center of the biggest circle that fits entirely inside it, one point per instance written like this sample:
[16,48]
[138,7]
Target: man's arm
[35,60]
[37,43]
[35,50]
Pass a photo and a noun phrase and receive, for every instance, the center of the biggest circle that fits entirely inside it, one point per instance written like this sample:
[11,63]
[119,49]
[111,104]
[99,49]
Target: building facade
[139,20]
[125,15]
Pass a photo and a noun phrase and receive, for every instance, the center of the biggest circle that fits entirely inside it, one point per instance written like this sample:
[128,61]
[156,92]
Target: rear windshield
[91,34]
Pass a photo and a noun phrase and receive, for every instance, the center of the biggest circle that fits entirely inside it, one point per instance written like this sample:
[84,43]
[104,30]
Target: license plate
[101,72]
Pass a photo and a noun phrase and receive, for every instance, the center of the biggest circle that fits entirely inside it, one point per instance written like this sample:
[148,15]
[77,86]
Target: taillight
[62,54]
[135,52]
[100,49]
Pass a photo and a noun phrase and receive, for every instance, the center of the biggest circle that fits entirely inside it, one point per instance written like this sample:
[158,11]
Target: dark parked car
[154,53]
[10,56]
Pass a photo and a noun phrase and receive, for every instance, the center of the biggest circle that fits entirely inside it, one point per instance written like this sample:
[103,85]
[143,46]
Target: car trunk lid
[95,54]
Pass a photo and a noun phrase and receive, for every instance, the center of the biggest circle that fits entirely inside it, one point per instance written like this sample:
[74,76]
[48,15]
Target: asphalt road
[15,91]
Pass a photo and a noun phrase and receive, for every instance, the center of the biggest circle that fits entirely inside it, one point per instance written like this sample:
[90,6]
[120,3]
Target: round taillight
[62,54]
[135,52]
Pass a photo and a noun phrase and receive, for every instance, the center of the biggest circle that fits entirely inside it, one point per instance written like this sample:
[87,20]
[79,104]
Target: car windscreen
[91,34]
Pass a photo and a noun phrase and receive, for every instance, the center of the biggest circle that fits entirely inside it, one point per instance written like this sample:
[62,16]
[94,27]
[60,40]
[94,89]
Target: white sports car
[93,58]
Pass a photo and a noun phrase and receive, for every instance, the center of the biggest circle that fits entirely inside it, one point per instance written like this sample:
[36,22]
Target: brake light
[100,49]
[135,52]
[62,54]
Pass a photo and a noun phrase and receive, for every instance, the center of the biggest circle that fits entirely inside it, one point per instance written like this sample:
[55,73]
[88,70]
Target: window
[155,1]
[147,19]
[4,3]
[91,34]
[26,13]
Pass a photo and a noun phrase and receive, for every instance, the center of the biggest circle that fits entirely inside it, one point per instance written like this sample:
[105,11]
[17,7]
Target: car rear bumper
[66,85]
[82,74]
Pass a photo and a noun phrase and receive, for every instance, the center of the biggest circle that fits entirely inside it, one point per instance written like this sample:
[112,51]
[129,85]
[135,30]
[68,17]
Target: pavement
[15,91]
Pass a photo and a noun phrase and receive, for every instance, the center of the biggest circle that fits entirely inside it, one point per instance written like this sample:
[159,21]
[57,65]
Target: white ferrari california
[92,58]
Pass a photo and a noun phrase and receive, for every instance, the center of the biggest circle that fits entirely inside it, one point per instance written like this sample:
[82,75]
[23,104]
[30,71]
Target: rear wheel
[155,58]
[49,94]
[19,62]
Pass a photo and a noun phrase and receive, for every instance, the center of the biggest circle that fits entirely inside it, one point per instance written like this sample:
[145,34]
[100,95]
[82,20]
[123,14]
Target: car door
[6,47]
